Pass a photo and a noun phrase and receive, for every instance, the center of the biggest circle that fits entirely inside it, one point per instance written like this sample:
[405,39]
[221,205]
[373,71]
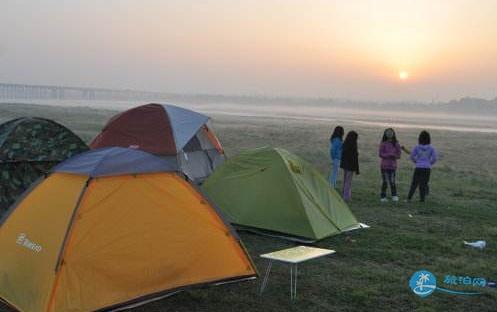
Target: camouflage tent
[29,147]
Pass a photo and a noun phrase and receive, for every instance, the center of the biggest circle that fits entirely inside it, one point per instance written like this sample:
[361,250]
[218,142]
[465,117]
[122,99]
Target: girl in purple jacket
[389,152]
[424,156]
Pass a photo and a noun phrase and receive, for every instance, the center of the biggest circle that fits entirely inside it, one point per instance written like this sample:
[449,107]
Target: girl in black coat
[349,163]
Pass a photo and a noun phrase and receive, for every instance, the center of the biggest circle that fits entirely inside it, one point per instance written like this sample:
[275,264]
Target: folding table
[292,256]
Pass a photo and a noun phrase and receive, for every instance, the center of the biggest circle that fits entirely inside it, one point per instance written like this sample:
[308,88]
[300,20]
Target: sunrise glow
[403,75]
[357,49]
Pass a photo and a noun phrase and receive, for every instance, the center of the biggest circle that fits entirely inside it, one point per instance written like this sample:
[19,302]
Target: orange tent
[110,228]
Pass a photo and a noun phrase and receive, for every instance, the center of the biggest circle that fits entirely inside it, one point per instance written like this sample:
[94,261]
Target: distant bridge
[22,91]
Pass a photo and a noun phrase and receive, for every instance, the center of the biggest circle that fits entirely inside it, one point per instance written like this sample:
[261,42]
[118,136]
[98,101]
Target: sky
[359,50]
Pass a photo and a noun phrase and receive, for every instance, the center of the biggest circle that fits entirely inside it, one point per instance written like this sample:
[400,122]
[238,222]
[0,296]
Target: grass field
[371,271]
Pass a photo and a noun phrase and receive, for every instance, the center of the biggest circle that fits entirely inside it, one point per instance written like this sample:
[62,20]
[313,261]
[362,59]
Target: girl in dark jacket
[349,163]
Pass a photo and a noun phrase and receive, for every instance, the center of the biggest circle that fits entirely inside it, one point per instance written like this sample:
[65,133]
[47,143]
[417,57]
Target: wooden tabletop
[297,254]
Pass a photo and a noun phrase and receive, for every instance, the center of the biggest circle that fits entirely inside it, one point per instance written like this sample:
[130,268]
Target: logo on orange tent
[22,240]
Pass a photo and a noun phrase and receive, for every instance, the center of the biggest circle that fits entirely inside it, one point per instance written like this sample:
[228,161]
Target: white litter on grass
[356,226]
[479,244]
[364,226]
[410,215]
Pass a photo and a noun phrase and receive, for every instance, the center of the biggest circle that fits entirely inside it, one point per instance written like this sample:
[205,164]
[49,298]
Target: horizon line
[245,96]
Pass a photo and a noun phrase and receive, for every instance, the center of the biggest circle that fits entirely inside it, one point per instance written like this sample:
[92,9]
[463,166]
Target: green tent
[29,148]
[273,190]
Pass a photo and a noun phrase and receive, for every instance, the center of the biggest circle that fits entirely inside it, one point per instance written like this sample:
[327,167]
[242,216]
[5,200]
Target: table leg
[291,281]
[266,277]
[295,282]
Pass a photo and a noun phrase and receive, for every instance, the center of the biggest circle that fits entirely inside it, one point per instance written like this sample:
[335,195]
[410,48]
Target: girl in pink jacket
[389,152]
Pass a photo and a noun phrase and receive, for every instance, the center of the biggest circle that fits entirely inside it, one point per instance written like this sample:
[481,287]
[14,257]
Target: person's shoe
[383,199]
[395,198]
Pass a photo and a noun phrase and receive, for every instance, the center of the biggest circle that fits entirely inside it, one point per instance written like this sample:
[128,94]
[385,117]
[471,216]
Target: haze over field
[369,50]
[468,114]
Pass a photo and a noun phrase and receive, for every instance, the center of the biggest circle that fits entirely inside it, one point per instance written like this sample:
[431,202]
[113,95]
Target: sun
[403,75]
